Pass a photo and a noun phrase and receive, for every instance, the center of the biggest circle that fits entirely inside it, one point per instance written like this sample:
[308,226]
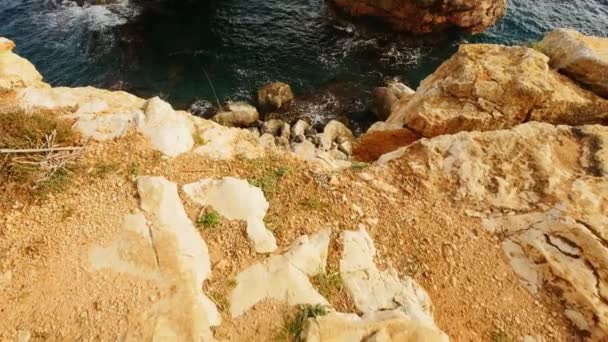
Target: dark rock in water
[202,108]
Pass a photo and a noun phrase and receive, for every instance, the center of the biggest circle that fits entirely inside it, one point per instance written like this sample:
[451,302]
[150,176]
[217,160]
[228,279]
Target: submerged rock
[488,87]
[274,96]
[584,58]
[429,15]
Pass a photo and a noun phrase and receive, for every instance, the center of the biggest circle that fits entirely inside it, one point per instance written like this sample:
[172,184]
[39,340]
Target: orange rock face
[370,146]
[425,16]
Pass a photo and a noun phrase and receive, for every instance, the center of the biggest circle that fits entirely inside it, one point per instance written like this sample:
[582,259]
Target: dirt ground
[49,291]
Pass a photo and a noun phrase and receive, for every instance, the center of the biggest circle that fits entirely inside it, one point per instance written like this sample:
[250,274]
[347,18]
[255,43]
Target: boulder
[202,108]
[543,190]
[223,143]
[384,98]
[335,132]
[167,130]
[299,128]
[274,96]
[489,87]
[237,114]
[429,15]
[583,58]
[370,146]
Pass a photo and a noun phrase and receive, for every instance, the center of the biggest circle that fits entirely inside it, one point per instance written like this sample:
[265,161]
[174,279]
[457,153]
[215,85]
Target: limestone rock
[530,168]
[237,114]
[167,130]
[236,199]
[224,143]
[584,58]
[567,252]
[381,326]
[335,132]
[166,249]
[284,277]
[299,128]
[385,98]
[512,169]
[489,87]
[106,127]
[84,100]
[275,96]
[15,71]
[374,290]
[219,142]
[370,146]
[304,150]
[429,15]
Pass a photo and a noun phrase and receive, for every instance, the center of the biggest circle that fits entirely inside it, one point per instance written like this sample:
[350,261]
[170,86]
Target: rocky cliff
[425,16]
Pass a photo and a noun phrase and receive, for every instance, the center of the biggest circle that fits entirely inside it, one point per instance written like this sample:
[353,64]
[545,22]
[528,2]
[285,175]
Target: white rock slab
[168,131]
[236,199]
[183,259]
[381,326]
[374,290]
[106,127]
[283,277]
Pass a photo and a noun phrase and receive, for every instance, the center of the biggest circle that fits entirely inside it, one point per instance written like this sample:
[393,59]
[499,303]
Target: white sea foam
[66,15]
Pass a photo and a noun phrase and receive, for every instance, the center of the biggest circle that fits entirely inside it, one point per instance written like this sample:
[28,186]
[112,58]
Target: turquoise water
[243,44]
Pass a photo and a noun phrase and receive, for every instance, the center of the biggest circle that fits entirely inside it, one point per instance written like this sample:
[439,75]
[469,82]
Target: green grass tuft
[208,220]
[294,325]
[329,284]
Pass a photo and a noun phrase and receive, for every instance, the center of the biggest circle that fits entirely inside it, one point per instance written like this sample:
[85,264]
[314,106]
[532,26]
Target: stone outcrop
[14,70]
[544,191]
[284,277]
[236,199]
[429,15]
[583,58]
[489,87]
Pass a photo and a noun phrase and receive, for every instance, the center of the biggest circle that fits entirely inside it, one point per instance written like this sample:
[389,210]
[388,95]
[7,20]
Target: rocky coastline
[475,209]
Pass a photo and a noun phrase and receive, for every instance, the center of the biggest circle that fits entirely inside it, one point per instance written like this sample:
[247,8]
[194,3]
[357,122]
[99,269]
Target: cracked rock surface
[487,87]
[544,191]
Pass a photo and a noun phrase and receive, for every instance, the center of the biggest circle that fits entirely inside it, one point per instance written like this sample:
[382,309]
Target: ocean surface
[165,50]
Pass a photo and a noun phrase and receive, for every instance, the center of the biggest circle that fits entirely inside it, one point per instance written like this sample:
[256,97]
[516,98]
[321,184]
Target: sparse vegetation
[217,293]
[37,152]
[268,174]
[104,169]
[501,336]
[294,325]
[208,220]
[198,140]
[329,284]
[358,166]
[312,202]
